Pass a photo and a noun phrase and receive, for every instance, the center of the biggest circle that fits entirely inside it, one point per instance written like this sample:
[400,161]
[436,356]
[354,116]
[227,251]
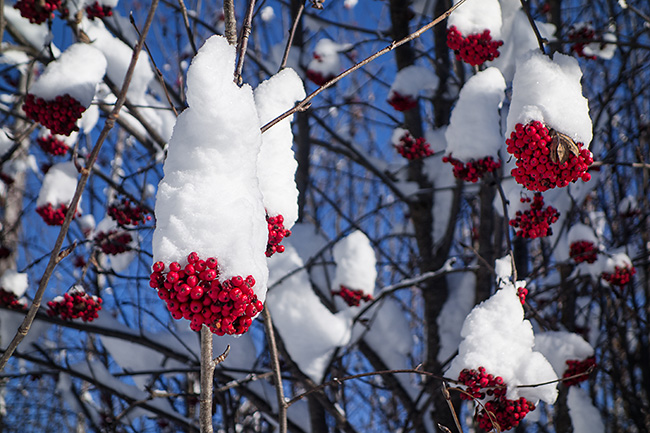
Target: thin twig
[304,104]
[207,376]
[277,373]
[531,20]
[445,393]
[2,22]
[243,41]
[72,210]
[186,22]
[504,202]
[292,35]
[230,21]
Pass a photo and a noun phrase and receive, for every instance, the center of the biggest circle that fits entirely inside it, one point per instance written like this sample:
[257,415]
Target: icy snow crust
[475,16]
[550,91]
[59,185]
[209,199]
[276,164]
[474,129]
[77,72]
[355,263]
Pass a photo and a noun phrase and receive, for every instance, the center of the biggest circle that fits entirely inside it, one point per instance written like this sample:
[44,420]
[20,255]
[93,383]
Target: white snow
[355,263]
[550,91]
[67,140]
[209,199]
[560,346]
[38,35]
[350,4]
[620,260]
[59,185]
[628,205]
[133,357]
[460,300]
[276,165]
[582,232]
[474,130]
[413,79]
[604,51]
[267,14]
[14,282]
[326,57]
[475,16]
[584,416]
[76,72]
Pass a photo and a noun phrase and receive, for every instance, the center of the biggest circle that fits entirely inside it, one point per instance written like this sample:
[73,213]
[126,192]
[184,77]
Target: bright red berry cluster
[479,384]
[76,304]
[622,275]
[98,11]
[402,102]
[473,170]
[352,297]
[474,49]
[9,300]
[59,115]
[52,145]
[36,11]
[582,35]
[536,221]
[114,242]
[195,293]
[583,251]
[51,216]
[412,149]
[277,233]
[127,213]
[522,292]
[531,145]
[575,368]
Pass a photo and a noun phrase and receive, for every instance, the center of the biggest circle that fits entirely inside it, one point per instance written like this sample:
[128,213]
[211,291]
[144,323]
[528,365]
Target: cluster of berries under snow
[536,221]
[474,49]
[621,276]
[545,159]
[473,170]
[409,82]
[411,148]
[76,304]
[326,63]
[127,213]
[97,10]
[577,370]
[113,242]
[11,301]
[195,293]
[402,102]
[37,12]
[352,297]
[583,251]
[52,144]
[53,216]
[522,292]
[59,115]
[277,233]
[496,408]
[581,34]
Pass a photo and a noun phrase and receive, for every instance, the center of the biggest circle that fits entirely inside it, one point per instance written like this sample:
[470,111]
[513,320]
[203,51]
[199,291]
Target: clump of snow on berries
[13,286]
[477,16]
[549,91]
[618,270]
[568,353]
[536,221]
[532,145]
[38,35]
[409,147]
[76,304]
[127,213]
[37,12]
[473,32]
[326,63]
[209,199]
[407,85]
[54,144]
[276,164]
[355,266]
[57,190]
[628,207]
[583,244]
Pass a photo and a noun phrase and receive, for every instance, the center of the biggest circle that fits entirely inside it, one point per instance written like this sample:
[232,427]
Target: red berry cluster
[583,251]
[473,170]
[59,115]
[352,297]
[36,11]
[76,304]
[195,293]
[98,11]
[50,144]
[621,276]
[474,49]
[402,102]
[582,35]
[114,242]
[522,292]
[277,232]
[51,216]
[498,410]
[576,367]
[318,78]
[10,300]
[127,213]
[413,149]
[535,222]
[531,145]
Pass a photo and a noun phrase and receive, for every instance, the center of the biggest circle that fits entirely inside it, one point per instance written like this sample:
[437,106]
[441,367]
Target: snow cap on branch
[59,185]
[355,263]
[560,346]
[475,16]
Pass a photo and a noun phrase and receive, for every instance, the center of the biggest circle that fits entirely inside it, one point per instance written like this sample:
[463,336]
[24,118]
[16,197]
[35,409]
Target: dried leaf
[561,146]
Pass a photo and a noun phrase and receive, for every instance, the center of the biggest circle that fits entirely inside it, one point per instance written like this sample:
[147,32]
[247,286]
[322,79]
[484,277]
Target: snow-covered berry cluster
[578,369]
[36,11]
[127,213]
[352,297]
[76,304]
[536,147]
[195,293]
[59,115]
[412,149]
[536,221]
[498,409]
[52,145]
[277,233]
[582,34]
[474,49]
[583,251]
[402,102]
[113,242]
[52,216]
[318,76]
[11,301]
[98,11]
[621,276]
[473,170]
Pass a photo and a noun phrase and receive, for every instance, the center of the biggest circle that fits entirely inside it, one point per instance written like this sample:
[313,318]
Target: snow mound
[59,185]
[355,263]
[475,16]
